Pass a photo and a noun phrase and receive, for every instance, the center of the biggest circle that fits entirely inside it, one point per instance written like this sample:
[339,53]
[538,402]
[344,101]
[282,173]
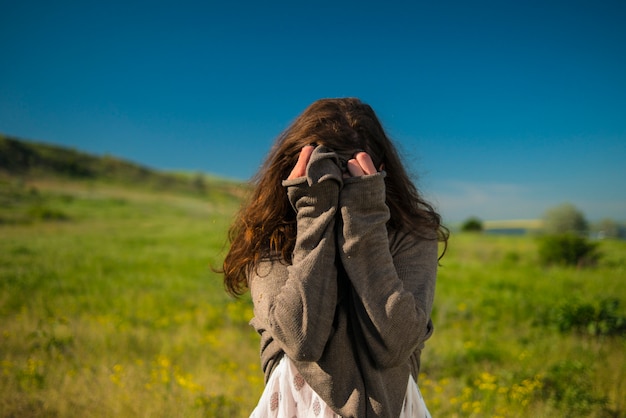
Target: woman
[340,253]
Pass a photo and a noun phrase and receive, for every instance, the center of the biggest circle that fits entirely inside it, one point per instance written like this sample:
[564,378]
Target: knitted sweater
[352,310]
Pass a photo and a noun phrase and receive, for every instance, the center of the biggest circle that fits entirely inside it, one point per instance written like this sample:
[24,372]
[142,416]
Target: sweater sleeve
[393,292]
[296,303]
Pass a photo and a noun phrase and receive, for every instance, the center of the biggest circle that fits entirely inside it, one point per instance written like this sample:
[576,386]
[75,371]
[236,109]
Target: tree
[472,224]
[608,228]
[564,219]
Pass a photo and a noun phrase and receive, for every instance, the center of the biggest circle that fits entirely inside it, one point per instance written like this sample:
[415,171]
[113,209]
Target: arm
[393,287]
[296,303]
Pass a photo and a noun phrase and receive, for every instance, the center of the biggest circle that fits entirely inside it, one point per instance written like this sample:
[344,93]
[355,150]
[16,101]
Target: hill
[29,160]
[38,181]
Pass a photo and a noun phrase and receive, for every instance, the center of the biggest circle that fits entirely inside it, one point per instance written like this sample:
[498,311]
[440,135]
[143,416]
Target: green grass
[500,346]
[114,310]
[109,307]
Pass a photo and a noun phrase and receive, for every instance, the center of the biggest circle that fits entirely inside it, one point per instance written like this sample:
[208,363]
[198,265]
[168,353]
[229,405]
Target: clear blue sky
[504,108]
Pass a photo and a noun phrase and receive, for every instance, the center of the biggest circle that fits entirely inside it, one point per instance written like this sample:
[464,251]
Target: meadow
[109,307]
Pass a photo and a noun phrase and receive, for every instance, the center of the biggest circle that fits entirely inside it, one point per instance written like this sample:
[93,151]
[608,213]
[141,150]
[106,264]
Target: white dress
[287,395]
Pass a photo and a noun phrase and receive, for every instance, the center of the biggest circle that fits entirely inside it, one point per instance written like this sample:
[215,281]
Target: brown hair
[267,223]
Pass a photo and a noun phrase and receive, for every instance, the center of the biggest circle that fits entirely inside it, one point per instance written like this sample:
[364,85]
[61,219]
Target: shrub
[601,318]
[568,250]
[472,225]
[45,213]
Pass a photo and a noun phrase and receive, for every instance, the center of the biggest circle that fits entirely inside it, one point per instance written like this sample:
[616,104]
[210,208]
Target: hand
[360,165]
[299,170]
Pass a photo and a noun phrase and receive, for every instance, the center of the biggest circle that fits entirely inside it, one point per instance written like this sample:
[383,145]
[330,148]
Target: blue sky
[504,109]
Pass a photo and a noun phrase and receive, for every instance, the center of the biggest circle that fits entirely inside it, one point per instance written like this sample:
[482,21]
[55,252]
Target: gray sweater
[352,311]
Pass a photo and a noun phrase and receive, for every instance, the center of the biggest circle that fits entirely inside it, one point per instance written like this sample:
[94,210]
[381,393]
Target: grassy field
[109,307]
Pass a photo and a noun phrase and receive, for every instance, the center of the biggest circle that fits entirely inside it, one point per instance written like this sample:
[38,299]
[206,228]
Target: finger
[299,170]
[354,168]
[366,163]
[305,154]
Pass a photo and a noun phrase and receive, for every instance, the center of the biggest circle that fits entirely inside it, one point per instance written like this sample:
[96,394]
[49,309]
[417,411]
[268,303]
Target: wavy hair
[266,224]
